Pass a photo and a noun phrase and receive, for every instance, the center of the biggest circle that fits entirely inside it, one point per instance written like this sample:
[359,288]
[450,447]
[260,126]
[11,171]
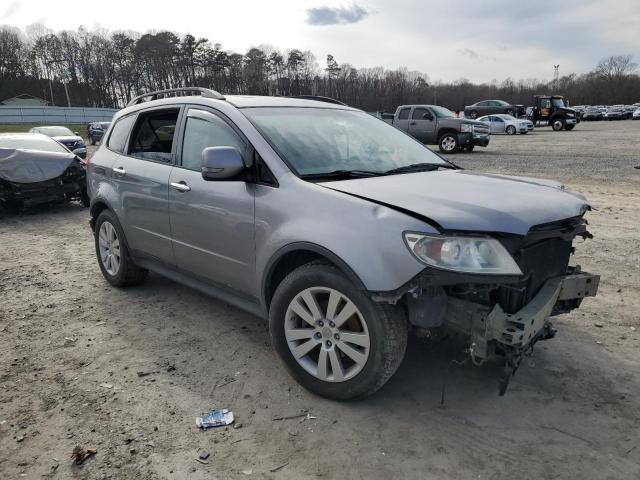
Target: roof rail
[320,99]
[176,92]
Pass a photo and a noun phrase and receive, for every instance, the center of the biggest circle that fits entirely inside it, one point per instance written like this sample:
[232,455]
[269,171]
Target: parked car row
[613,112]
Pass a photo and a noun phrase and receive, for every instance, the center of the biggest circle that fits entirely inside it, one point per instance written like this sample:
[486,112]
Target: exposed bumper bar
[519,328]
[491,326]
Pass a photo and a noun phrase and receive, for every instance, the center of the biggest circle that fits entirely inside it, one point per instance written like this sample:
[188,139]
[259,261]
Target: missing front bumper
[512,336]
[492,329]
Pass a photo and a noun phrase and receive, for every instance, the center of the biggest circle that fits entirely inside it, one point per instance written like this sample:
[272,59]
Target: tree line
[101,69]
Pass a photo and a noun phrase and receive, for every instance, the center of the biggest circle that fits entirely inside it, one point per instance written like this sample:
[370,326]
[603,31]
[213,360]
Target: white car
[636,114]
[508,124]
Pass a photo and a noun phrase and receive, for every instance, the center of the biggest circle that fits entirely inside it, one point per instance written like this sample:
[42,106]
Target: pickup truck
[434,125]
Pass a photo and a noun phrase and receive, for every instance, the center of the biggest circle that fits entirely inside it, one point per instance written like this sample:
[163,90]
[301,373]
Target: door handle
[119,170]
[412,123]
[180,186]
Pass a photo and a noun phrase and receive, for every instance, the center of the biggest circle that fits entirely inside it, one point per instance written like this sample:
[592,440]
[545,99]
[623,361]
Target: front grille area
[543,254]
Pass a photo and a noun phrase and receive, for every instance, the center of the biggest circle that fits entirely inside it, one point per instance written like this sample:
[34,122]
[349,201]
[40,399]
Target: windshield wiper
[341,174]
[420,167]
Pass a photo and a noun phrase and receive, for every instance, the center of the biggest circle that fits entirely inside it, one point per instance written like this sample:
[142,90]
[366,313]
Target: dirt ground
[127,371]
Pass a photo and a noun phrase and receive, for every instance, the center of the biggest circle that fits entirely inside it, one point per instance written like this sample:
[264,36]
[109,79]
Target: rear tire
[93,141]
[448,143]
[381,331]
[510,112]
[115,262]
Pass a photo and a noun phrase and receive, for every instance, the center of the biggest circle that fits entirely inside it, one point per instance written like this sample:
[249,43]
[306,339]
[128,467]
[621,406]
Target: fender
[92,208]
[320,250]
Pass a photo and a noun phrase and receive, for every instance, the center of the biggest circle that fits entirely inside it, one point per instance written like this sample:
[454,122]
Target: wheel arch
[96,208]
[445,130]
[294,255]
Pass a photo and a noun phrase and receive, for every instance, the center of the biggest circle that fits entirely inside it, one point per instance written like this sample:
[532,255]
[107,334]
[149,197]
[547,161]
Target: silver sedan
[507,124]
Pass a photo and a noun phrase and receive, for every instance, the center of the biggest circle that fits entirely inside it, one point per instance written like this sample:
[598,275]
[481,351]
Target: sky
[481,40]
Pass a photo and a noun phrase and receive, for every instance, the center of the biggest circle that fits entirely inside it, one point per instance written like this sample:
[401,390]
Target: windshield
[28,142]
[557,102]
[442,112]
[322,140]
[54,131]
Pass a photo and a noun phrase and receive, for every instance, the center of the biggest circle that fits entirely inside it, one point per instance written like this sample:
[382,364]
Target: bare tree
[95,68]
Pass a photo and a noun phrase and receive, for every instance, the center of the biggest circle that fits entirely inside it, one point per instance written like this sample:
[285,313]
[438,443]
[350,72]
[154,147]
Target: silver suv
[340,229]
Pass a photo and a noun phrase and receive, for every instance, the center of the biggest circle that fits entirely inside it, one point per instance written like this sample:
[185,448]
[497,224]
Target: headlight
[462,254]
[466,128]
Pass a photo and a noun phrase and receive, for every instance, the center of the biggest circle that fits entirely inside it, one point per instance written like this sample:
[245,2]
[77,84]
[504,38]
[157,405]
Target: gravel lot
[127,371]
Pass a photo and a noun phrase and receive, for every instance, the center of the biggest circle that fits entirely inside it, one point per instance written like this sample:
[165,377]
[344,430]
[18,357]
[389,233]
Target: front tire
[335,340]
[511,130]
[558,124]
[116,264]
[473,114]
[569,127]
[448,143]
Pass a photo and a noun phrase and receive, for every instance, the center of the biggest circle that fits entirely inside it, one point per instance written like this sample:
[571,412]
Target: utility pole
[556,74]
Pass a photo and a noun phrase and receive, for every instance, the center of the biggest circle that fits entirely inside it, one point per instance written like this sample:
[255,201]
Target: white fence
[54,115]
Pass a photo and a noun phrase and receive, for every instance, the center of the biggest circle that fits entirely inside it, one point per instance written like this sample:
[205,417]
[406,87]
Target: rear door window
[404,114]
[120,132]
[153,135]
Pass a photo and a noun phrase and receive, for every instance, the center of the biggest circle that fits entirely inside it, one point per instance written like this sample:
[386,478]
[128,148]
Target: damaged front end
[504,316]
[31,177]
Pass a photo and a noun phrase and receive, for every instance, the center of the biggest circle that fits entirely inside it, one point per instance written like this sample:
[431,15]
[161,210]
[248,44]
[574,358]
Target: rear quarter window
[119,133]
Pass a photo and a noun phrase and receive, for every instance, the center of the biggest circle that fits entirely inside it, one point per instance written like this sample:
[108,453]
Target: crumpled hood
[467,201]
[32,166]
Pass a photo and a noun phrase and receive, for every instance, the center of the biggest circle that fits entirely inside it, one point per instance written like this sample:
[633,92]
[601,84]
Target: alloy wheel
[109,246]
[448,144]
[326,334]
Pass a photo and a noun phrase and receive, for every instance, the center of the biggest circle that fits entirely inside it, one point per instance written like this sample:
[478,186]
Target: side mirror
[76,133]
[221,163]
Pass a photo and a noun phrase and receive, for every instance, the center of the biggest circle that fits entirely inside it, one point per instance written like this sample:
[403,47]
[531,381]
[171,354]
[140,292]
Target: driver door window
[202,130]
[420,114]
